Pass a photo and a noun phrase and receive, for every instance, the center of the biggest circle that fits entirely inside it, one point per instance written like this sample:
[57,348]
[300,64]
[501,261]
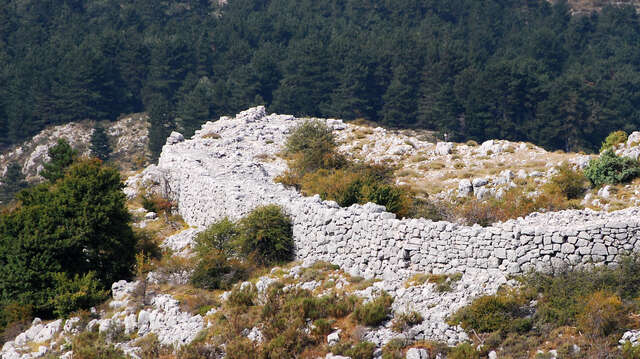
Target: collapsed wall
[228,167]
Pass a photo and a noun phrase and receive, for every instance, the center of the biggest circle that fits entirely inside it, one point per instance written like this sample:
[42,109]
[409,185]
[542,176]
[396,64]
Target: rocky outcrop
[163,317]
[128,136]
[232,172]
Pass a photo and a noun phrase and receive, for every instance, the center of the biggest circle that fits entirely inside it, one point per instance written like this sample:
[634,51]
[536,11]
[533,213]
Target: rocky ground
[446,170]
[165,305]
[128,139]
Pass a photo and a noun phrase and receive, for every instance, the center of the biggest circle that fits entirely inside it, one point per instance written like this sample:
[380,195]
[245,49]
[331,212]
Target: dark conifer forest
[475,69]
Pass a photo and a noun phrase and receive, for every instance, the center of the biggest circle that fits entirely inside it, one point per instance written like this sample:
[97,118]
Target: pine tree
[100,147]
[12,182]
[61,156]
[76,226]
[161,120]
[399,100]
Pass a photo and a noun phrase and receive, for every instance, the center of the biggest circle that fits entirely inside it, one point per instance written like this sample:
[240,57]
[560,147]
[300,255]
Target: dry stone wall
[227,169]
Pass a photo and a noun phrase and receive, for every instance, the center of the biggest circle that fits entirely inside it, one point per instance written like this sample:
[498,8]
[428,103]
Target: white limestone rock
[444,148]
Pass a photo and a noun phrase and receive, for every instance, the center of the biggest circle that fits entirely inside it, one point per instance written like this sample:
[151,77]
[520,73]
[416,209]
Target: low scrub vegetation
[317,168]
[405,320]
[613,139]
[374,312]
[612,169]
[229,251]
[587,308]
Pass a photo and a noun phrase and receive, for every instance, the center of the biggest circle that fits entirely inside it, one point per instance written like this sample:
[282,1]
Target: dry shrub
[157,204]
[15,317]
[570,183]
[403,321]
[515,203]
[602,315]
[613,139]
[241,348]
[211,135]
[375,311]
[501,312]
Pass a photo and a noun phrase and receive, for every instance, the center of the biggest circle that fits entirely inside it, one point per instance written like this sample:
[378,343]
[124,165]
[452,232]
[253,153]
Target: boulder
[443,148]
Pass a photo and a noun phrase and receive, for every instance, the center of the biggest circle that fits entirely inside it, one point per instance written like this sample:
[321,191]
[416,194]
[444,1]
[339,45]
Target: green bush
[361,350]
[394,349]
[266,235]
[218,236]
[77,225]
[359,184]
[602,314]
[215,271]
[375,311]
[403,321]
[243,296]
[79,292]
[611,169]
[239,348]
[570,183]
[90,345]
[61,156]
[614,139]
[15,318]
[463,351]
[312,144]
[492,313]
[563,296]
[322,327]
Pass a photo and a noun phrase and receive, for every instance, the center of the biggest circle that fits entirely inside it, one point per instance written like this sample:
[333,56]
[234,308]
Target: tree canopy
[76,226]
[475,69]
[61,156]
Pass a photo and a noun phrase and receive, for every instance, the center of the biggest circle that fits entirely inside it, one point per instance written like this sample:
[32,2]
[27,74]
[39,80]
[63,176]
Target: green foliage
[360,350]
[563,295]
[614,139]
[215,271]
[90,345]
[611,169]
[521,82]
[315,145]
[78,225]
[374,312]
[570,183]
[394,349]
[266,235]
[12,183]
[15,318]
[444,282]
[598,304]
[239,348]
[100,147]
[219,236]
[629,351]
[602,315]
[490,313]
[464,351]
[358,184]
[243,296]
[405,320]
[79,292]
[61,157]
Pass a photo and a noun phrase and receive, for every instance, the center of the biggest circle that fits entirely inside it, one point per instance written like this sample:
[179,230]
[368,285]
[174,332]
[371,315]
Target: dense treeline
[515,69]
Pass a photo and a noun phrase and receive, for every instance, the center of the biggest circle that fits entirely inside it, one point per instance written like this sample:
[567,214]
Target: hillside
[476,70]
[429,269]
[585,7]
[128,139]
